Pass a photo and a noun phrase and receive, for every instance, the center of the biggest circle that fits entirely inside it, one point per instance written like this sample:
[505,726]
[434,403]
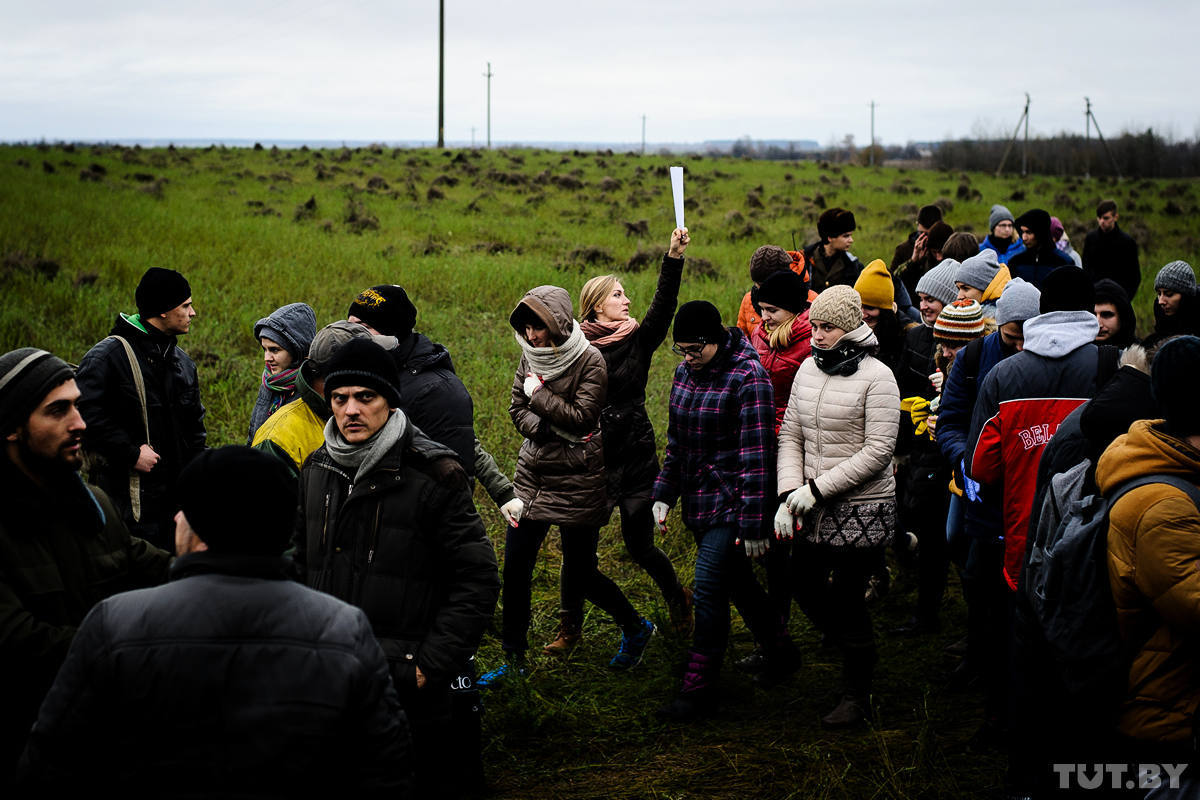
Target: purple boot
[697,696]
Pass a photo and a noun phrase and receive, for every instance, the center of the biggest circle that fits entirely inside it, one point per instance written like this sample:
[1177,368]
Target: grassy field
[467,233]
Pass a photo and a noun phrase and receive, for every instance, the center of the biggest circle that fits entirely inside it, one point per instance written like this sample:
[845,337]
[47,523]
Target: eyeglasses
[691,351]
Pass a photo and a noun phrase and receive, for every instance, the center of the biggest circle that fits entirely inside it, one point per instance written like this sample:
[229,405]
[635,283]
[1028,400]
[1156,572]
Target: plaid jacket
[720,441]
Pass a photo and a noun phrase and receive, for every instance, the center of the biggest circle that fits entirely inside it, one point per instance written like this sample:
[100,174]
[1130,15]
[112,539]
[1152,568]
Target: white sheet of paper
[677,191]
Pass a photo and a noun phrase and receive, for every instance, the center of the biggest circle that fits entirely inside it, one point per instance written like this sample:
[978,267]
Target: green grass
[232,221]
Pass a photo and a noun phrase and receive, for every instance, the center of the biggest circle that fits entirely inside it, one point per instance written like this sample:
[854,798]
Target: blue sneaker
[633,647]
[500,675]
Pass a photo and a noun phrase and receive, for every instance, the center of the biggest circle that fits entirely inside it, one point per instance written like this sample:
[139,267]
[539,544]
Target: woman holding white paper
[630,451]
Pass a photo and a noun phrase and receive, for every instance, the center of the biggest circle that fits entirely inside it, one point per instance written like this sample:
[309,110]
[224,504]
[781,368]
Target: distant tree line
[1136,155]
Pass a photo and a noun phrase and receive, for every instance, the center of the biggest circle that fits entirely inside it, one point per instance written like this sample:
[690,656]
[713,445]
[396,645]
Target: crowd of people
[302,612]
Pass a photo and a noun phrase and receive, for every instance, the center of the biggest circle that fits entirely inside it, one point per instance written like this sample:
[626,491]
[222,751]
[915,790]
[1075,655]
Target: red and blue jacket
[721,441]
[1022,401]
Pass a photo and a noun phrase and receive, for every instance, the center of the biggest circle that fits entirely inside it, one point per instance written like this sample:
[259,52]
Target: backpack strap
[135,480]
[1183,485]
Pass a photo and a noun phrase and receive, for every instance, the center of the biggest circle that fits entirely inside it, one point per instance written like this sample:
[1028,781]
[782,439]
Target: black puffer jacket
[630,452]
[62,550]
[230,680]
[110,407]
[408,549]
[928,472]
[434,398]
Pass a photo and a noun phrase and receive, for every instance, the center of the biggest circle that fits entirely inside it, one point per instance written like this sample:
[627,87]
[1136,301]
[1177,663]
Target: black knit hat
[387,309]
[239,500]
[786,290]
[1067,289]
[835,222]
[698,321]
[362,362]
[160,290]
[26,376]
[1038,222]
[768,259]
[1173,380]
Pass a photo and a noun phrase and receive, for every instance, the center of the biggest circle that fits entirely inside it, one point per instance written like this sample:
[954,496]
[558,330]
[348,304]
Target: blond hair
[781,336]
[593,293]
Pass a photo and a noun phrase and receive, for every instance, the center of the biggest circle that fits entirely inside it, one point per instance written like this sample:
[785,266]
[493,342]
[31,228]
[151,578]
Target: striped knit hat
[959,323]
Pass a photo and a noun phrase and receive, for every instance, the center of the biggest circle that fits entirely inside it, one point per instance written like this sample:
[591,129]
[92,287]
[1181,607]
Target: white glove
[659,510]
[936,379]
[755,547]
[785,523]
[801,501]
[532,384]
[512,510]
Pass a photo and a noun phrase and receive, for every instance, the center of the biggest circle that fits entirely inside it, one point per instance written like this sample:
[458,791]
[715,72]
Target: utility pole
[441,73]
[472,137]
[643,134]
[489,75]
[1087,138]
[872,150]
[1092,121]
[1024,118]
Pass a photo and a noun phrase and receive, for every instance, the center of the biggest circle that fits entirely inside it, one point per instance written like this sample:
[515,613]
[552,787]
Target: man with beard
[63,547]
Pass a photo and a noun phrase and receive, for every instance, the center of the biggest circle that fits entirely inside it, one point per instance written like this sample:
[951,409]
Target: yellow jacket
[1154,571]
[294,431]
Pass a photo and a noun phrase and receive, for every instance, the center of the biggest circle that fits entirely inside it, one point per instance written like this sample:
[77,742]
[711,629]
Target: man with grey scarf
[381,527]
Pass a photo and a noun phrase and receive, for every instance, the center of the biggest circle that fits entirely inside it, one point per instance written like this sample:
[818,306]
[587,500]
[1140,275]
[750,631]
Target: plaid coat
[720,441]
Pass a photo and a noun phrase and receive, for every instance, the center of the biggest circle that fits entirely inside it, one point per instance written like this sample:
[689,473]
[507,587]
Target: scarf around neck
[361,458]
[550,362]
[603,334]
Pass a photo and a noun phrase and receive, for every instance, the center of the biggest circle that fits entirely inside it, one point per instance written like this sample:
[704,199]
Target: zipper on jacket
[325,524]
[374,534]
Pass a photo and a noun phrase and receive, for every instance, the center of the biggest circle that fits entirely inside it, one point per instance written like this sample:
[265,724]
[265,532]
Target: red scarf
[603,334]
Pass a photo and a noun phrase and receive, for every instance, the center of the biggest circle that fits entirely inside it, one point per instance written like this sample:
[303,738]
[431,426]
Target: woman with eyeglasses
[630,450]
[557,395]
[837,491]
[717,466]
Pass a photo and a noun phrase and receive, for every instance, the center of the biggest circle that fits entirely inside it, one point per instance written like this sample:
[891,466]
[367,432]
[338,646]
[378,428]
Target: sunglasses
[691,351]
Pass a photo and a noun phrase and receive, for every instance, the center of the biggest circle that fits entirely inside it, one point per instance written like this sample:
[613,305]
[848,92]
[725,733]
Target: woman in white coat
[836,488]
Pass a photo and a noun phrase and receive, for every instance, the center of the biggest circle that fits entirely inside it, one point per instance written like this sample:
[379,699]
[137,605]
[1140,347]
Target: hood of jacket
[297,322]
[994,289]
[552,305]
[418,353]
[1058,333]
[1109,291]
[131,326]
[1146,449]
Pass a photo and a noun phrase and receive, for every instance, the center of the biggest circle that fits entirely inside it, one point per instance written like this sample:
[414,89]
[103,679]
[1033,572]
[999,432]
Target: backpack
[1067,587]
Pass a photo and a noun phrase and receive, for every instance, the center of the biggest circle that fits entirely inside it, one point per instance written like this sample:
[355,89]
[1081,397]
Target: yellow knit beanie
[875,287]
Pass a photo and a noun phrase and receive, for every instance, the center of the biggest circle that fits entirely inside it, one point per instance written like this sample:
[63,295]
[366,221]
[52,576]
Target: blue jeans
[724,575]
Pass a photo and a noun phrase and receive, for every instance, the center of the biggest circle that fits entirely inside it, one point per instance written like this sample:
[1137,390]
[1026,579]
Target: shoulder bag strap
[135,479]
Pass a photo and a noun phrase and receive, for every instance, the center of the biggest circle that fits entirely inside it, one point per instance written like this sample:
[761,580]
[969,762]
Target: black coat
[843,268]
[110,407]
[927,475]
[409,549]
[62,550]
[630,451]
[434,398]
[1034,266]
[230,680]
[1113,255]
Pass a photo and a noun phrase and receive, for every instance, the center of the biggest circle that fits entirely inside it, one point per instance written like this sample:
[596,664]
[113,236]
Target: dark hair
[1105,207]
[901,255]
[928,215]
[960,246]
[938,234]
[524,315]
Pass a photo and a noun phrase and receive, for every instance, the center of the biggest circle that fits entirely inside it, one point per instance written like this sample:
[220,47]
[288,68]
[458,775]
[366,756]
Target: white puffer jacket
[841,431]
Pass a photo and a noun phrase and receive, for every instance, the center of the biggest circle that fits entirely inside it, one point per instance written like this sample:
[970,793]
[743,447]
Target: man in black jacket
[232,678]
[829,260]
[383,527]
[1109,252]
[137,456]
[63,547]
[431,393]
[1041,255]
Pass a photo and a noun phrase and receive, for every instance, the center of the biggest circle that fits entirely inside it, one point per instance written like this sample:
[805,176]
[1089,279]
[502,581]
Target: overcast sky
[566,71]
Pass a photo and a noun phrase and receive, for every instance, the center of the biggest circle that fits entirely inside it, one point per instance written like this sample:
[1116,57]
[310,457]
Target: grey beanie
[978,270]
[998,215]
[938,283]
[1019,301]
[26,376]
[331,338]
[1177,277]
